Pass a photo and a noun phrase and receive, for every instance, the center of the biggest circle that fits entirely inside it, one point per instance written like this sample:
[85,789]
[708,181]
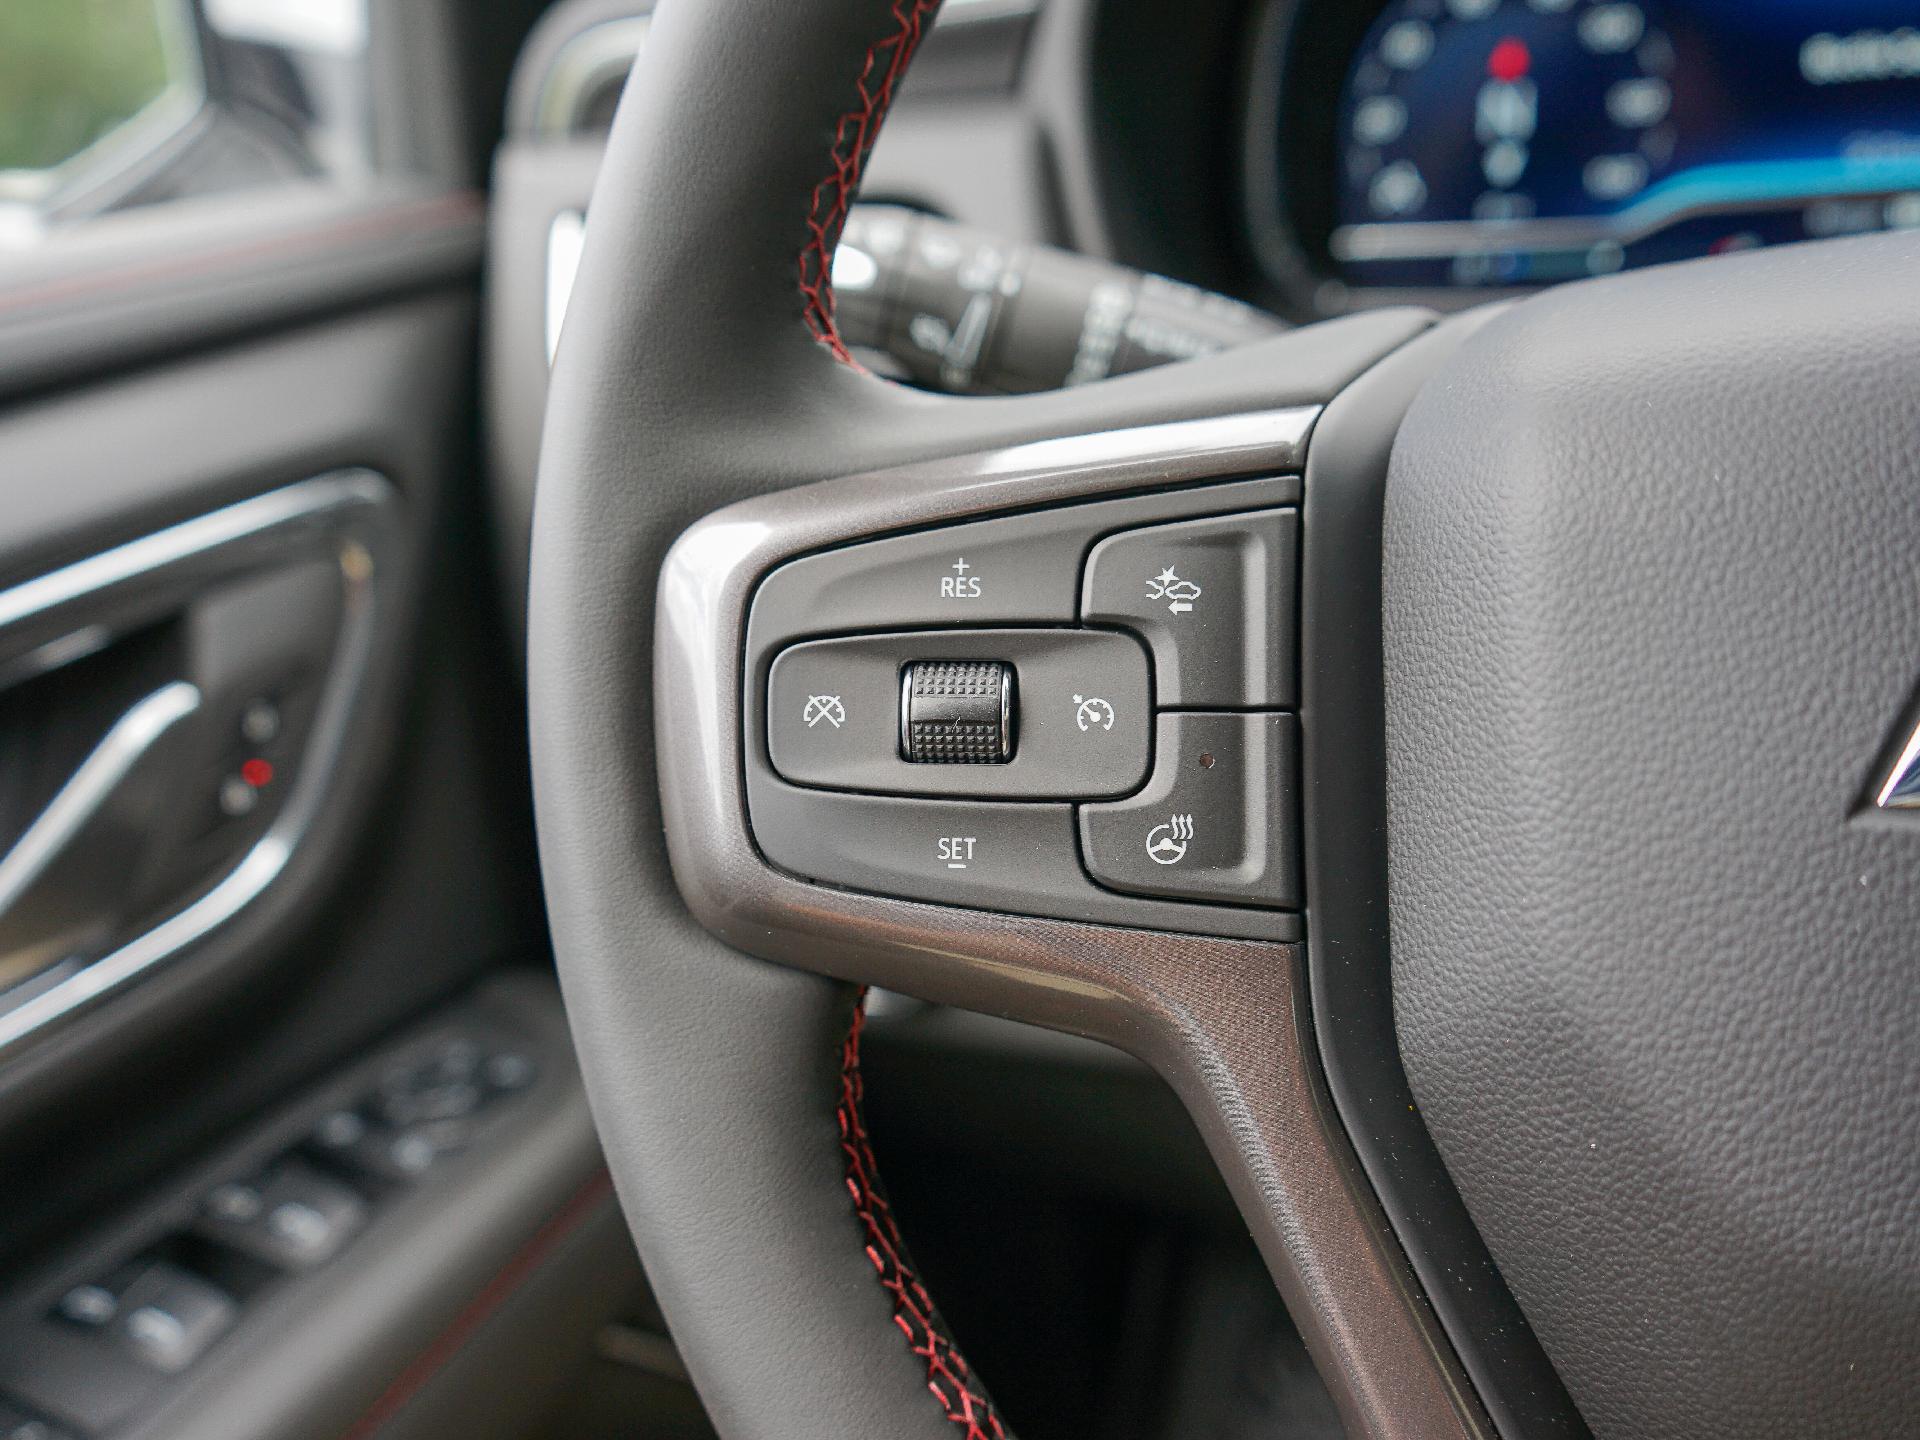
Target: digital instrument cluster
[1518,142]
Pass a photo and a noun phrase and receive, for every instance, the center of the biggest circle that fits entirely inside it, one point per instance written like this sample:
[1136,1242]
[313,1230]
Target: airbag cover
[1652,588]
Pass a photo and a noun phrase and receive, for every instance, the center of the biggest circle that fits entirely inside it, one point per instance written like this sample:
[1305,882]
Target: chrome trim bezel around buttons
[352,514]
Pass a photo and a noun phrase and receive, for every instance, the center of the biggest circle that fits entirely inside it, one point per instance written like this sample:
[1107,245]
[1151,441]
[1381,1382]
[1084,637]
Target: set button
[1022,859]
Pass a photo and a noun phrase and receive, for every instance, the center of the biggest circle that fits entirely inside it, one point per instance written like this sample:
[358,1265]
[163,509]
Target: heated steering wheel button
[1216,822]
[1213,598]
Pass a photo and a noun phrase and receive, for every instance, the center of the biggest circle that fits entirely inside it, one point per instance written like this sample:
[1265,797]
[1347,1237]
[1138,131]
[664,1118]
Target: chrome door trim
[92,784]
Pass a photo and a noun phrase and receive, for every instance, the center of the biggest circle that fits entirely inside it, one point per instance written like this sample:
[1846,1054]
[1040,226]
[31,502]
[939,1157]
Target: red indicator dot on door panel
[257,773]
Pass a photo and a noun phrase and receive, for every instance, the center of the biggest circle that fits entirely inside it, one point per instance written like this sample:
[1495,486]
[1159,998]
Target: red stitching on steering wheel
[853,137]
[948,1377]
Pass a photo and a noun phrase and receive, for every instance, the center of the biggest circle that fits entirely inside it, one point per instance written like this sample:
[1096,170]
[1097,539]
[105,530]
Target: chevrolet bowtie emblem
[1900,789]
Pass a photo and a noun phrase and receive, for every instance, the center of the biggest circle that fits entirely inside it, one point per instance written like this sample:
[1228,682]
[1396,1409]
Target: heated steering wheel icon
[1167,842]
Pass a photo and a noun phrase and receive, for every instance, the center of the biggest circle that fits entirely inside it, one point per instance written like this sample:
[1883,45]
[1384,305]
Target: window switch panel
[294,1218]
[169,1317]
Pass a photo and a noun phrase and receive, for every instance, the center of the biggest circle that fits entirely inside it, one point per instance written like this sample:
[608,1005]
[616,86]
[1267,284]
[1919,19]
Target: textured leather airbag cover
[1652,579]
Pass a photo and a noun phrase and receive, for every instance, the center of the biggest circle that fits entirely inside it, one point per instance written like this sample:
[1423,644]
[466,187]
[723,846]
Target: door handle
[184,812]
[80,803]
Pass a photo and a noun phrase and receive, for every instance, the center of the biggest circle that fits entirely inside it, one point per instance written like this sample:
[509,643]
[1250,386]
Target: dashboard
[1474,145]
[1317,156]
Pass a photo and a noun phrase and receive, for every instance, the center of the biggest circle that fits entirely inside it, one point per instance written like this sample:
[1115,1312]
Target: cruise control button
[1215,601]
[983,855]
[1080,705]
[1023,569]
[1216,821]
[956,712]
[986,572]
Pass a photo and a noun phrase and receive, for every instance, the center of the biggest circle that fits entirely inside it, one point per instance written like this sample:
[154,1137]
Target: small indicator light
[1510,59]
[257,773]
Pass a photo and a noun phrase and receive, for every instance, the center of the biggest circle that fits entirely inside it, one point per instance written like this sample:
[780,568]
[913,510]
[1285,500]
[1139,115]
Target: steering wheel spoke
[863,574]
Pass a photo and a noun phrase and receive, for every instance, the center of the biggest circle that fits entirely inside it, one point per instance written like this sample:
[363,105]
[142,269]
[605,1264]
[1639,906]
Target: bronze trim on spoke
[1225,1021]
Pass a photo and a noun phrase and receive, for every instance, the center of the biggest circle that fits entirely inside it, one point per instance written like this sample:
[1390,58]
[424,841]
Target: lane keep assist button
[1214,600]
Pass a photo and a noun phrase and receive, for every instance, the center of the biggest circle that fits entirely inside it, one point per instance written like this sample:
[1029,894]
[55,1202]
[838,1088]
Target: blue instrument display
[1518,142]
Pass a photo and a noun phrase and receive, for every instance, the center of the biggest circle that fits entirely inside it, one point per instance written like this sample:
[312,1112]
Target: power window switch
[387,1153]
[93,1305]
[294,1219]
[235,1203]
[170,1317]
[413,1105]
[338,1132]
[86,1307]
[416,1149]
[446,1085]
[16,1424]
[510,1071]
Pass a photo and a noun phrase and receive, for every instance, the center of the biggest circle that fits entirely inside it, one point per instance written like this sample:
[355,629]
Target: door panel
[415,870]
[414,876]
[136,285]
[238,464]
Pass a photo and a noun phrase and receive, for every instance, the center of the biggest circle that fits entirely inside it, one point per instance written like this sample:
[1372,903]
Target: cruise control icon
[1093,713]
[1167,842]
[824,707]
[1178,593]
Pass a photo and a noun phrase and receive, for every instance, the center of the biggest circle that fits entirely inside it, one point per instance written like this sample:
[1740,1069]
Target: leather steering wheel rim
[699,368]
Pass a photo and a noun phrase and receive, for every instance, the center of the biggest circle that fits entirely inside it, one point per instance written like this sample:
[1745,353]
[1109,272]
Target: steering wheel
[1637,622]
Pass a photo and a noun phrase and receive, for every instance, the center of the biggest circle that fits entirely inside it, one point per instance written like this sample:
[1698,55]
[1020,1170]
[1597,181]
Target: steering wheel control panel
[1083,712]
